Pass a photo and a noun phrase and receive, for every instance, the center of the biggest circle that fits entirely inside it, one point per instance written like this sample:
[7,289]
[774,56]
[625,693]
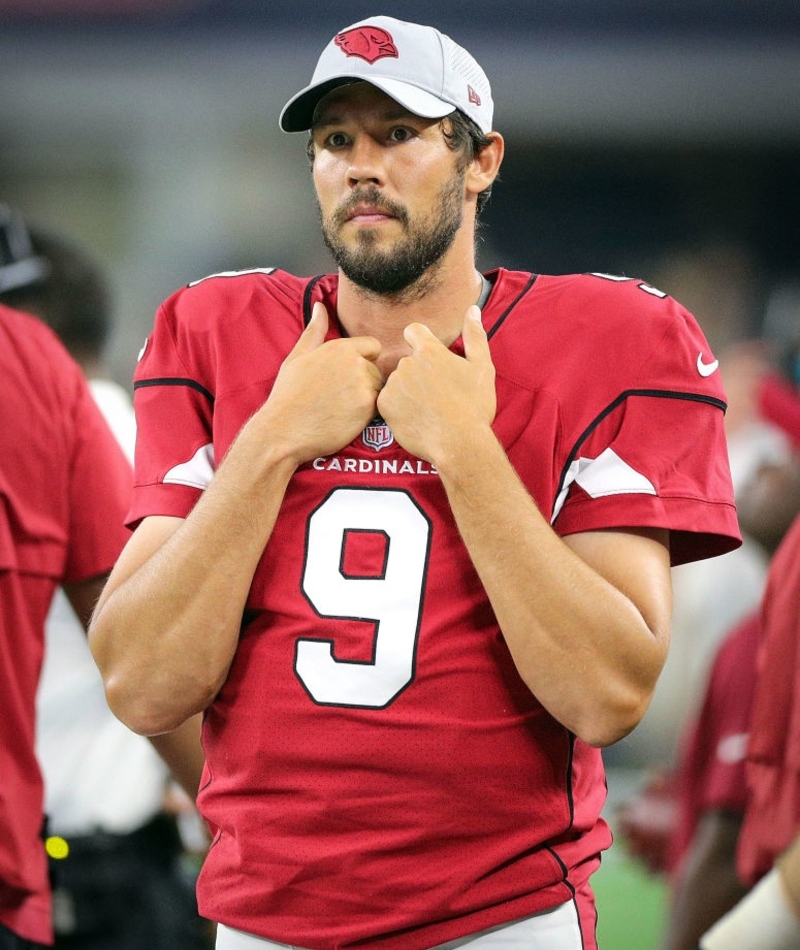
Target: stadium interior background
[653,138]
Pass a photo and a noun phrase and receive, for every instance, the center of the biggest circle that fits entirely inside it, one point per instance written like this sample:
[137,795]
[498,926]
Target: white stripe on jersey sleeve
[234,273]
[607,474]
[197,472]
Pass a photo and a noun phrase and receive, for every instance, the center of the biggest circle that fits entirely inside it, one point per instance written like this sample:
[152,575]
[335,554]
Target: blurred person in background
[686,823]
[403,535]
[117,855]
[64,490]
[711,788]
[768,849]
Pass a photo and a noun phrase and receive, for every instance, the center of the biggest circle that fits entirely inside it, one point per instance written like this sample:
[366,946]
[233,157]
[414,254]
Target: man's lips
[368,214]
[369,209]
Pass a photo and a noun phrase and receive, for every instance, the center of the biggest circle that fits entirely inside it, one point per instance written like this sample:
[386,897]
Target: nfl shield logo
[377,435]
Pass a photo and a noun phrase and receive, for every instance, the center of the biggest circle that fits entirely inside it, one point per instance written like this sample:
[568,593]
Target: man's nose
[366,163]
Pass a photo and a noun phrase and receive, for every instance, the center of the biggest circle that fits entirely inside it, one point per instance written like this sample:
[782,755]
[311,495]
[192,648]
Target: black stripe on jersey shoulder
[491,332]
[307,294]
[174,381]
[651,393]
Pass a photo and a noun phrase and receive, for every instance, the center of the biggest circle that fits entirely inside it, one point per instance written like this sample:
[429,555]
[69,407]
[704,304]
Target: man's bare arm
[586,618]
[167,625]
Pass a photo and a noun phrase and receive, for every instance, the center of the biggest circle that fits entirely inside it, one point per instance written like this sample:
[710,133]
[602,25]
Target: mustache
[371,196]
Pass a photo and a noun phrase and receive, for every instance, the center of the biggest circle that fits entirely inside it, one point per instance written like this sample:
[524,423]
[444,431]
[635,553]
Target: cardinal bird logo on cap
[369,42]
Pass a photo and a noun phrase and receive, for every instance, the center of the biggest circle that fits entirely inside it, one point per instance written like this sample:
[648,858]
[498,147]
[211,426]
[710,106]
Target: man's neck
[439,301]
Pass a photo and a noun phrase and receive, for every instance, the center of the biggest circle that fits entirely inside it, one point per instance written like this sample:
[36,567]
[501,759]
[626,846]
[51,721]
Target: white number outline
[375,683]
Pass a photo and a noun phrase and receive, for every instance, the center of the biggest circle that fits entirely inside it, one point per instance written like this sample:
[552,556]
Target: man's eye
[337,139]
[400,134]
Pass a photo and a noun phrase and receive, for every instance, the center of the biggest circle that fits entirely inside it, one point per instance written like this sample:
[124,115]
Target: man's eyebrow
[334,118]
[324,120]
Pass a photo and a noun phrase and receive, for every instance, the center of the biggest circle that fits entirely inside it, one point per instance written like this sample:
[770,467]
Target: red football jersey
[64,491]
[377,772]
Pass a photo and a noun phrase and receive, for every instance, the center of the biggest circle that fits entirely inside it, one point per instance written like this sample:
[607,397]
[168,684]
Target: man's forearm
[582,645]
[167,626]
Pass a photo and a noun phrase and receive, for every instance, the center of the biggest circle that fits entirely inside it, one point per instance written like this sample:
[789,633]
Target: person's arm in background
[709,885]
[768,918]
[183,753]
[83,596]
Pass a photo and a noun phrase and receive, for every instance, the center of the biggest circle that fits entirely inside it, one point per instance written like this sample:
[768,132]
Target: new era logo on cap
[419,67]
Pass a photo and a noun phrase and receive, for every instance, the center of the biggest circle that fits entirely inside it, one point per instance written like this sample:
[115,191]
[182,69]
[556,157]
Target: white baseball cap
[419,67]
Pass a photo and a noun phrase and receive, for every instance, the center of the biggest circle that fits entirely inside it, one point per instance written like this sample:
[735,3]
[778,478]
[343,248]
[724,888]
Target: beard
[392,270]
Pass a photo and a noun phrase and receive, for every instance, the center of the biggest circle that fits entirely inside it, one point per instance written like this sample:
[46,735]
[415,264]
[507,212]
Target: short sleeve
[656,462]
[656,455]
[174,460]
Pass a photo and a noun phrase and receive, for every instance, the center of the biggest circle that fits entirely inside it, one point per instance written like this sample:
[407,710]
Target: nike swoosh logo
[706,369]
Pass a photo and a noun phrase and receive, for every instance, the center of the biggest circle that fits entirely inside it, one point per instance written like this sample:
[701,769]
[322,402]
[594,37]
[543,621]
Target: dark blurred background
[654,139]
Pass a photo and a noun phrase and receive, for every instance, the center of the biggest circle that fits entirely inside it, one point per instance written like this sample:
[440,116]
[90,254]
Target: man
[64,486]
[344,554]
[118,865]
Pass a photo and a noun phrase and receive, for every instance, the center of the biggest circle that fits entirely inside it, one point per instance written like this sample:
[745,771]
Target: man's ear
[484,168]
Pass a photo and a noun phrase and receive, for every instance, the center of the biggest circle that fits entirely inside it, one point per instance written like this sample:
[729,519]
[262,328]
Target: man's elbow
[622,699]
[149,715]
[617,718]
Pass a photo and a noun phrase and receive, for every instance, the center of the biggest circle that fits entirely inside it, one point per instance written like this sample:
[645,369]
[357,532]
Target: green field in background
[631,904]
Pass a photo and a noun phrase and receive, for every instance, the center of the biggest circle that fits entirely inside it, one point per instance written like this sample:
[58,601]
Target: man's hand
[325,392]
[434,397]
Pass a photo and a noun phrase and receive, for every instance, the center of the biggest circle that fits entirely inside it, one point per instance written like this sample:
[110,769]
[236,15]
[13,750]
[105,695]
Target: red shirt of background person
[64,488]
[712,768]
[772,818]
